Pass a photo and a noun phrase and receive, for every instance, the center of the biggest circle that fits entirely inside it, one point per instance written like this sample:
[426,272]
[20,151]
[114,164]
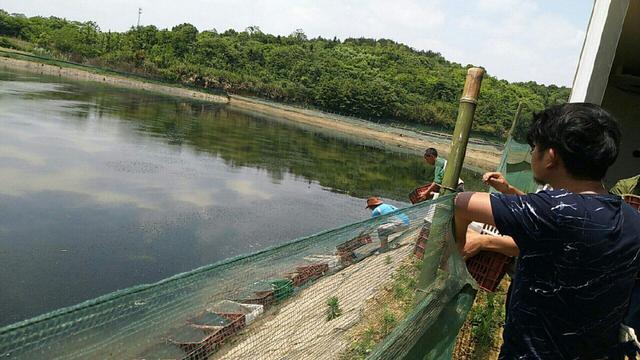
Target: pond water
[104,188]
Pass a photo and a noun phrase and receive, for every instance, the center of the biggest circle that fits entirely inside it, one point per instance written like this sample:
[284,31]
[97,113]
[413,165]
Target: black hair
[431,152]
[585,136]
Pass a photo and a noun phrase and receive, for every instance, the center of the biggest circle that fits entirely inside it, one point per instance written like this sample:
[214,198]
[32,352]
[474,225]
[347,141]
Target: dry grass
[299,327]
[384,311]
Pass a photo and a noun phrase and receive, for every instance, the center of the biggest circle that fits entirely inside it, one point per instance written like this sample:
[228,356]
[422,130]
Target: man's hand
[498,182]
[473,245]
[430,189]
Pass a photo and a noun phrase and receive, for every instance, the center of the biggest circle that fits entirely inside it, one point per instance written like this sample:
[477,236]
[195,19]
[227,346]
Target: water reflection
[102,188]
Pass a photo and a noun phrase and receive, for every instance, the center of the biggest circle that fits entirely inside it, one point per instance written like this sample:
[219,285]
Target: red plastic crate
[194,339]
[346,257]
[307,273]
[421,194]
[633,200]
[214,341]
[488,268]
[418,250]
[354,243]
[313,270]
[237,322]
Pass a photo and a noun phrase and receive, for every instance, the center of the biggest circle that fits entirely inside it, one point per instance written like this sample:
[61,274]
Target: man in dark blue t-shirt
[579,247]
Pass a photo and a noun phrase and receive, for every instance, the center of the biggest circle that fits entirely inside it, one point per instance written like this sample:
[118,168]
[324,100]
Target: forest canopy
[375,79]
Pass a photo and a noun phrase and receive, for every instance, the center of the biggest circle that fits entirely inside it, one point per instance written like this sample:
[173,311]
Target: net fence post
[455,160]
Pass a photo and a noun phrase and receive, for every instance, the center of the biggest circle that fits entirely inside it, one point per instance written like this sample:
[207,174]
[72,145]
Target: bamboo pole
[461,132]
[441,226]
[440,223]
[515,121]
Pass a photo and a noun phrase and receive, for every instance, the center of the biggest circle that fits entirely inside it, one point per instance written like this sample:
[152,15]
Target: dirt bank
[486,157]
[482,156]
[119,81]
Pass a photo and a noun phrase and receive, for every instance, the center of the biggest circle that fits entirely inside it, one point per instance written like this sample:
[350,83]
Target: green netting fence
[274,304]
[515,164]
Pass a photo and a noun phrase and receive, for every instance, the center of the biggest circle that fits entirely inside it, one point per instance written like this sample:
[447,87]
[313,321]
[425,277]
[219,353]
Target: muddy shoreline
[481,157]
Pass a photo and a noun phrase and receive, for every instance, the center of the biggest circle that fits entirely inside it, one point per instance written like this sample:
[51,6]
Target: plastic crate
[304,274]
[313,270]
[282,289]
[265,298]
[188,338]
[421,194]
[354,243]
[418,249]
[346,257]
[633,200]
[488,268]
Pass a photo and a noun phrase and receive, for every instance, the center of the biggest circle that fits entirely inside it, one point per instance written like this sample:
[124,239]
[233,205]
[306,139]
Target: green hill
[379,80]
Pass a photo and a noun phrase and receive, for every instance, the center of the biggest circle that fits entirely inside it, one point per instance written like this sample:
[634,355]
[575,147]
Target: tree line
[376,79]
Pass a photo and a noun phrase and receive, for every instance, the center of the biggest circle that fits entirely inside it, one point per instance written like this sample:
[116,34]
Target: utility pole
[139,13]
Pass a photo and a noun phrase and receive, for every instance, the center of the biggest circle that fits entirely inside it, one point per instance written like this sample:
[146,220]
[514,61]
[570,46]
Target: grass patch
[333,308]
[385,311]
[481,335]
[15,44]
[487,319]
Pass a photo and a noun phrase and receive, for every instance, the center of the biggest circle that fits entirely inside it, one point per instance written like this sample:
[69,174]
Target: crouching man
[578,246]
[399,222]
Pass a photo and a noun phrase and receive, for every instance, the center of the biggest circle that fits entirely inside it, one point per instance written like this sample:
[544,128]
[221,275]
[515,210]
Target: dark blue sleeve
[523,217]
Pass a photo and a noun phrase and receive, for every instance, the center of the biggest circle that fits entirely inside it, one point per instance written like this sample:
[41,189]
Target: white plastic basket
[484,229]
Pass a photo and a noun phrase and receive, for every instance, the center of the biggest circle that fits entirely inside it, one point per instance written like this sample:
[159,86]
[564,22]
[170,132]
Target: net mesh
[515,165]
[431,329]
[309,298]
[324,296]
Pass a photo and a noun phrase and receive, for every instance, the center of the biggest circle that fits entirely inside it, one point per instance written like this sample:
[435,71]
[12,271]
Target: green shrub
[333,308]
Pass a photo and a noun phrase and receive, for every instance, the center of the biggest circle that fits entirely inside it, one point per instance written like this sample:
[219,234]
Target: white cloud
[520,41]
[247,189]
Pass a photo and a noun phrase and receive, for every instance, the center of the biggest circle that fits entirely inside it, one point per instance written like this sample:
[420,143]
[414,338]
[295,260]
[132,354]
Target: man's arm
[477,207]
[470,207]
[476,242]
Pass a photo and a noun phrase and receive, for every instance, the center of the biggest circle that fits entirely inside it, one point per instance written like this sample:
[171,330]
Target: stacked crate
[265,298]
[304,274]
[418,249]
[345,251]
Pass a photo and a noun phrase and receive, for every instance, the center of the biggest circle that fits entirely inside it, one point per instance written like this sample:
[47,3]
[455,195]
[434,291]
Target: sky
[516,40]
